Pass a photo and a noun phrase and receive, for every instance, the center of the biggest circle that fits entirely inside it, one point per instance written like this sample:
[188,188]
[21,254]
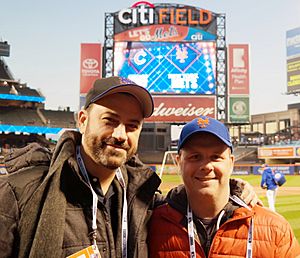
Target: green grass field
[287,202]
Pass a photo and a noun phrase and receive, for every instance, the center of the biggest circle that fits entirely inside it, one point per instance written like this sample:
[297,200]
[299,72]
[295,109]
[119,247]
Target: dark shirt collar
[98,190]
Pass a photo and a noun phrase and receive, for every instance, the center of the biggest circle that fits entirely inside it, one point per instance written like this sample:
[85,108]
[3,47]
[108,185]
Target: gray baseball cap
[107,86]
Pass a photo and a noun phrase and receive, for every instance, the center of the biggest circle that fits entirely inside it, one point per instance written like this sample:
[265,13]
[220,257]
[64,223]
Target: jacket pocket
[76,229]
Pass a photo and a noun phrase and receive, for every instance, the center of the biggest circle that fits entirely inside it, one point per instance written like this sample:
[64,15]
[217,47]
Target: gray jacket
[45,211]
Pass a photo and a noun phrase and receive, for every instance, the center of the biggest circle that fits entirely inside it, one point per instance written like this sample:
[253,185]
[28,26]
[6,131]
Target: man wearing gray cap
[46,211]
[95,198]
[202,217]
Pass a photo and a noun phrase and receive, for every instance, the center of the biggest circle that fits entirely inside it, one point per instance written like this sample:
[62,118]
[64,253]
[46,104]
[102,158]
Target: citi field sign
[171,50]
[146,14]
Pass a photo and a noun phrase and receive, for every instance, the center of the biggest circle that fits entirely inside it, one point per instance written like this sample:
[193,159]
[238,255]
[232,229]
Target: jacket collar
[177,198]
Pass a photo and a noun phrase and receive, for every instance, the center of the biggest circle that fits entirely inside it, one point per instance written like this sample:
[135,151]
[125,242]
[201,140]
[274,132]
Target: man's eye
[132,126]
[195,157]
[216,157]
[109,120]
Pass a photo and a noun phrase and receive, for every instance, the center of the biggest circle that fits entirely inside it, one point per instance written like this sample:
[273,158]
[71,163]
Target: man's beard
[110,158]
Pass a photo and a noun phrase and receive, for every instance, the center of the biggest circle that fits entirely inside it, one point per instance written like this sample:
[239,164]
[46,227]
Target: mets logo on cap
[203,122]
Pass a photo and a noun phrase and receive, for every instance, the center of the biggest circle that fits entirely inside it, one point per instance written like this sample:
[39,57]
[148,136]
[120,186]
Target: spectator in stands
[79,201]
[201,218]
[268,182]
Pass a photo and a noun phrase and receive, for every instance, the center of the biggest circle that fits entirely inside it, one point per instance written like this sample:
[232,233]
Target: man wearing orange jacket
[202,218]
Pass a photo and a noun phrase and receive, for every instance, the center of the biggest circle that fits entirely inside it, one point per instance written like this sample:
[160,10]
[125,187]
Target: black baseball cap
[107,86]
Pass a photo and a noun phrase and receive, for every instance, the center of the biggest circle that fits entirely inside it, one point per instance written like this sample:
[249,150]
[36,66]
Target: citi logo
[142,12]
[90,63]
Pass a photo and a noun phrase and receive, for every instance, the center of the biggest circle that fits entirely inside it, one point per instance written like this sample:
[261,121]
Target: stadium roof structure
[10,89]
[5,73]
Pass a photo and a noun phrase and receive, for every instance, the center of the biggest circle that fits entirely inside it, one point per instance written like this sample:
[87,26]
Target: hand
[263,187]
[248,194]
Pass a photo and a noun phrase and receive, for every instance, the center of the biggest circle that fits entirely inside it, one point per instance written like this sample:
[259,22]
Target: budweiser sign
[180,109]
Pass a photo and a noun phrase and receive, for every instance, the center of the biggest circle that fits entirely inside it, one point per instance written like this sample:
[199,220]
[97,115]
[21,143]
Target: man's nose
[119,133]
[206,166]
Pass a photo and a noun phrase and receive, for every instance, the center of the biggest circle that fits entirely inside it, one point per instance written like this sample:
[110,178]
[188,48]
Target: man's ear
[232,157]
[82,120]
[177,159]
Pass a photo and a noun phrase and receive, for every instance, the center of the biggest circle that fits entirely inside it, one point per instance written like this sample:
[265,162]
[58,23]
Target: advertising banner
[241,170]
[90,65]
[182,108]
[293,42]
[239,109]
[293,60]
[283,168]
[276,152]
[238,69]
[164,32]
[293,74]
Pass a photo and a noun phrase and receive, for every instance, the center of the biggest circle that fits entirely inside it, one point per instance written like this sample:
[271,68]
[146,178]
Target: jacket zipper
[223,225]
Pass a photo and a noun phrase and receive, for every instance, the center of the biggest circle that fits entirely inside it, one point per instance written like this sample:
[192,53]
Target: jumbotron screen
[168,67]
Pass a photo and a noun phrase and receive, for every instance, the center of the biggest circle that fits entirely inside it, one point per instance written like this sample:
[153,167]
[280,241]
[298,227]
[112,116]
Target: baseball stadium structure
[179,53]
[23,117]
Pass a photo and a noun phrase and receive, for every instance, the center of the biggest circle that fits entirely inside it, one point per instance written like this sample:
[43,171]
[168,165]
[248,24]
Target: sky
[45,38]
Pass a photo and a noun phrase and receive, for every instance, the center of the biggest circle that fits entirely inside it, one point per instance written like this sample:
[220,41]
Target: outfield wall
[239,169]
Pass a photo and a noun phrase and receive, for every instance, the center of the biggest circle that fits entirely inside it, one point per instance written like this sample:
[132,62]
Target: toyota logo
[90,63]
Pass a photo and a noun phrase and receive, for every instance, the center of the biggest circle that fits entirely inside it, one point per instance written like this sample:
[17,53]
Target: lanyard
[124,214]
[250,231]
[95,197]
[95,202]
[191,230]
[250,240]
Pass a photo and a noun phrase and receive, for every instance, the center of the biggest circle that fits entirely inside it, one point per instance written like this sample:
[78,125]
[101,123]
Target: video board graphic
[168,67]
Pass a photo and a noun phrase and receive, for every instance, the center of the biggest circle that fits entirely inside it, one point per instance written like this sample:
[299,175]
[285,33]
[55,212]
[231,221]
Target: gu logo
[203,122]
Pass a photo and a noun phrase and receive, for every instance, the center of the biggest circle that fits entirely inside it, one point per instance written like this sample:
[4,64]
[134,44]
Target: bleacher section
[12,93]
[63,119]
[245,154]
[31,117]
[20,116]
